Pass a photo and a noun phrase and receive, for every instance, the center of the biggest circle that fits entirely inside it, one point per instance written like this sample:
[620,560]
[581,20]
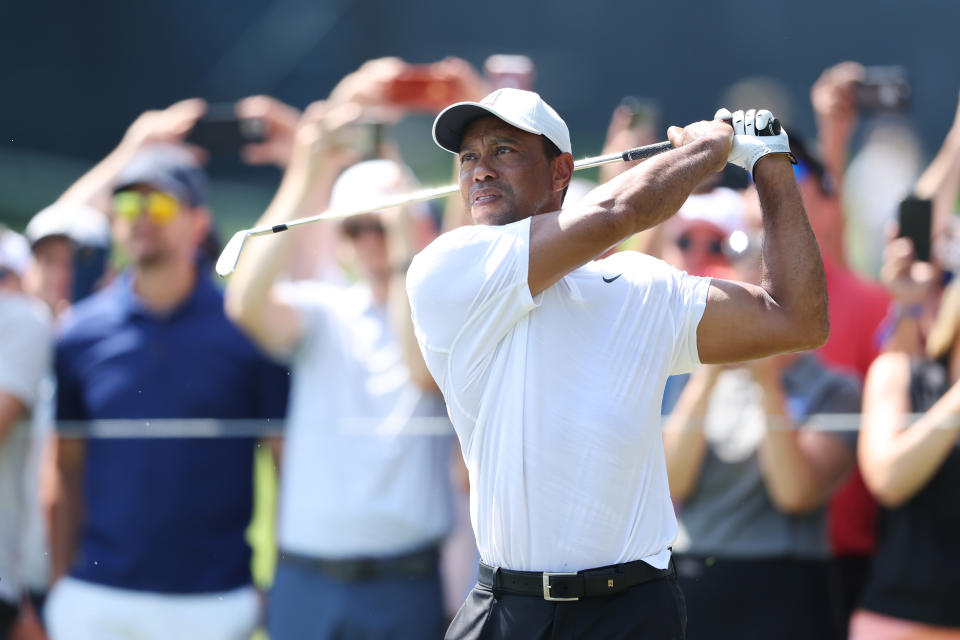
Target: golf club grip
[772,129]
[648,151]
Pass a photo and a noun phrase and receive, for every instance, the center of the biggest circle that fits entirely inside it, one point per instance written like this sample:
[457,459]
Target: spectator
[70,243]
[25,350]
[858,305]
[912,467]
[694,241]
[695,237]
[858,308]
[148,534]
[863,318]
[751,470]
[365,497]
[14,260]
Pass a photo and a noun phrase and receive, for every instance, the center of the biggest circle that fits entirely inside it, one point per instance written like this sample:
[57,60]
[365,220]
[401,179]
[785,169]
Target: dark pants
[8,615]
[652,610]
[778,598]
[852,575]
[305,604]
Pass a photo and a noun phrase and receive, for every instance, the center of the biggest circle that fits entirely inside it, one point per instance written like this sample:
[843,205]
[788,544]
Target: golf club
[230,255]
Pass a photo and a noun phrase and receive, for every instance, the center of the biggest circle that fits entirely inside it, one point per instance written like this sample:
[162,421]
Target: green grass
[261,532]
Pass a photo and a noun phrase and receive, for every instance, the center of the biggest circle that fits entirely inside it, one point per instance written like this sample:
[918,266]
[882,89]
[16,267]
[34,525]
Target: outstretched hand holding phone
[914,222]
[223,129]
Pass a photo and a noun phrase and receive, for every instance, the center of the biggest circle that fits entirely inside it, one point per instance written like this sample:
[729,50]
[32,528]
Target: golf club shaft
[231,252]
[630,155]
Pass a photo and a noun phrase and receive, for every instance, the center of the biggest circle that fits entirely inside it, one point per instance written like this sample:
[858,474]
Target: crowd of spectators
[813,489]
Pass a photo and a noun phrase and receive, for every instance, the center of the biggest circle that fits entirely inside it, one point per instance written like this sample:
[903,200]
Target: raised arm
[250,298]
[313,251]
[835,107]
[911,284]
[788,312]
[940,181]
[164,126]
[629,203]
[741,321]
[624,133]
[401,247]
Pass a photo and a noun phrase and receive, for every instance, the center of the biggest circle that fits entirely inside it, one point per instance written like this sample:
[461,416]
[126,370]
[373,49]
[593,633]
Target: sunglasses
[685,242]
[161,208]
[354,227]
[6,273]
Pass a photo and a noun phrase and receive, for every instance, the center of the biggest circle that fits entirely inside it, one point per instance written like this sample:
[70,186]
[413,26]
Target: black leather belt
[416,564]
[589,583]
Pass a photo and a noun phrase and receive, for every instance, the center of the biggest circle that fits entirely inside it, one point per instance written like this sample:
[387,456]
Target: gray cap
[168,168]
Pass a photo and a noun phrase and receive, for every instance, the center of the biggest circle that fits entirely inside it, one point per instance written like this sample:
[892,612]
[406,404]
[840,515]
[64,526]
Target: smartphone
[220,130]
[884,89]
[421,88]
[914,219]
[365,138]
[504,71]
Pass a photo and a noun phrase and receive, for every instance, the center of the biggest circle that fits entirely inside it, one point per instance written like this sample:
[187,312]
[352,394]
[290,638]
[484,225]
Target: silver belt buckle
[546,587]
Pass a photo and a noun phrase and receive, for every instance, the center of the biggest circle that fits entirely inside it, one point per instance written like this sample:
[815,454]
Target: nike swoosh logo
[606,279]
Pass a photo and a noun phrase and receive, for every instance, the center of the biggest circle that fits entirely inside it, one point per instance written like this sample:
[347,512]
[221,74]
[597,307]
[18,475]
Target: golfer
[553,363]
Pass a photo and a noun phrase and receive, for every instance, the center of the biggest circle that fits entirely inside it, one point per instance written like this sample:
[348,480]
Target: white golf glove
[751,137]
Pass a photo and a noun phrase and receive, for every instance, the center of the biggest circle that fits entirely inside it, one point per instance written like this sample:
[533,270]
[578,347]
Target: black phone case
[221,131]
[914,219]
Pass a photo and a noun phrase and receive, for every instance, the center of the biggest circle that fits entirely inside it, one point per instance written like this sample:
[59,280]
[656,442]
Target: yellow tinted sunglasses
[160,207]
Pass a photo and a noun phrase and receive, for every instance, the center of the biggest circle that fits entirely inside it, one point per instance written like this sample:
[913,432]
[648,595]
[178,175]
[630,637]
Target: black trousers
[652,610]
[8,615]
[738,599]
[851,572]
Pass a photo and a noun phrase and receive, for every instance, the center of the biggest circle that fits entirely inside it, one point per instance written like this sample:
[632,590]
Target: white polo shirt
[366,464]
[556,398]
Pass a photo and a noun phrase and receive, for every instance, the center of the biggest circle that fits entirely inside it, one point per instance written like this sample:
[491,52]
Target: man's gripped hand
[751,139]
[717,134]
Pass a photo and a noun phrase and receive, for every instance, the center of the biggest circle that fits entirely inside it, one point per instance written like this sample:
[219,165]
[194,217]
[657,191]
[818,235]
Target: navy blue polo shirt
[164,515]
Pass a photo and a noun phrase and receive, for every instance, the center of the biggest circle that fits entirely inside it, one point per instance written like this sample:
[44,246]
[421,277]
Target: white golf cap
[366,183]
[524,110]
[83,224]
[14,251]
[723,208]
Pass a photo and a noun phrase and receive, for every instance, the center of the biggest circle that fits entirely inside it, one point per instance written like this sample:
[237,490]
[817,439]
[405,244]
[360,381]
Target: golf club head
[227,261]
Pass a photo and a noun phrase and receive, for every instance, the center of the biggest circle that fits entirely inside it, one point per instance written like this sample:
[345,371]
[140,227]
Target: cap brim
[154,182]
[449,126]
